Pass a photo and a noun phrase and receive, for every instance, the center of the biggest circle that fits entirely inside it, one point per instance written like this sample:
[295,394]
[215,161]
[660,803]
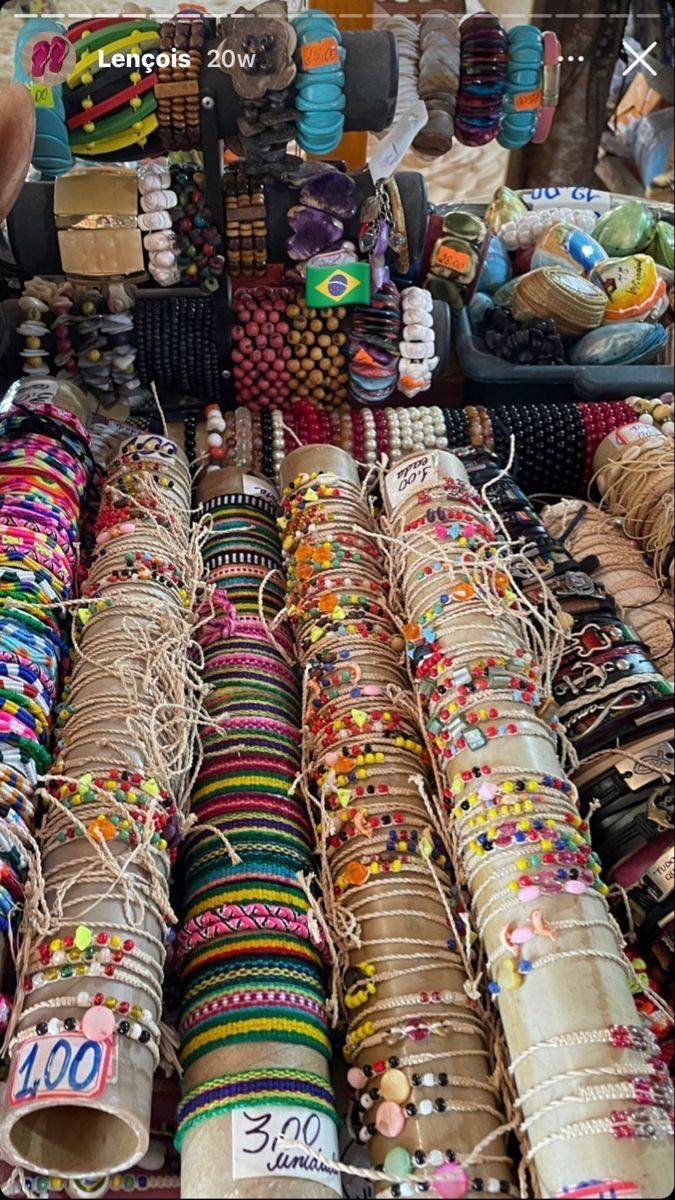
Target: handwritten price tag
[526,101]
[454,260]
[38,391]
[259,1149]
[320,54]
[43,96]
[409,476]
[66,1066]
[256,487]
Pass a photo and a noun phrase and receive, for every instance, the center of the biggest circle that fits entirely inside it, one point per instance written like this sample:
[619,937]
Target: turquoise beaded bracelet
[523,95]
[320,81]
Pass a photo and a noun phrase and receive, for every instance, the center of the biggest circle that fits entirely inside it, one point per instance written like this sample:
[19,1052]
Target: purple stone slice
[313,231]
[332,192]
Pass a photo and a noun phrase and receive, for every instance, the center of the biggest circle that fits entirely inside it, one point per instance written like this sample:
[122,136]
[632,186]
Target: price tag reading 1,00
[65,1066]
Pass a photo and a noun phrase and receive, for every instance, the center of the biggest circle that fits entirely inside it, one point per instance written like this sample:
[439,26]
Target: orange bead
[411,632]
[356,873]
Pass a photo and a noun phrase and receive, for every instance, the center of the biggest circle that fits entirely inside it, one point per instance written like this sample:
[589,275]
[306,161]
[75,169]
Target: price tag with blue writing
[65,1066]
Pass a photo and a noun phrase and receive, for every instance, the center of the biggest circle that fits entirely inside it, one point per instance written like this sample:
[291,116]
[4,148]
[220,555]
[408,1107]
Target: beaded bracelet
[319,82]
[246,225]
[523,95]
[178,89]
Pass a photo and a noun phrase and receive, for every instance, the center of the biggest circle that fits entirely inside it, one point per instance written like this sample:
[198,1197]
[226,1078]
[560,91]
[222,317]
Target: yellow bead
[396,865]
[521,864]
[56,945]
[110,1002]
[507,786]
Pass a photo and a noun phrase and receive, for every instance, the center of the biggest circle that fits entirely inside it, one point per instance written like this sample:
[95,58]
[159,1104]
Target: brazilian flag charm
[328,287]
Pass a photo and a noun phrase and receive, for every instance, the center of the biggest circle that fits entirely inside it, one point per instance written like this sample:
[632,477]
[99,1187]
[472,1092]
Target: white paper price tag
[256,487]
[397,142]
[260,1149]
[568,197]
[65,1066]
[409,476]
[38,391]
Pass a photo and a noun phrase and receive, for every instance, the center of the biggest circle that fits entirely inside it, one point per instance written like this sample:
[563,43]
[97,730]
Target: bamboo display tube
[249,952]
[85,1034]
[39,566]
[418,1039]
[593,1094]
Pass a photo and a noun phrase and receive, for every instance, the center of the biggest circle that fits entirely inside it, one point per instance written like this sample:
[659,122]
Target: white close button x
[640,59]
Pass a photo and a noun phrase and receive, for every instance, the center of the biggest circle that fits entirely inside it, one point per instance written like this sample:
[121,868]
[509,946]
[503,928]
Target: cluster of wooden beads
[318,365]
[177,92]
[283,349]
[246,225]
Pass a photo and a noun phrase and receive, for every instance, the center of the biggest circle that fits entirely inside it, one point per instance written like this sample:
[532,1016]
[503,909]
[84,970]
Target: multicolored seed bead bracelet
[417,1033]
[249,950]
[484,657]
[90,969]
[44,470]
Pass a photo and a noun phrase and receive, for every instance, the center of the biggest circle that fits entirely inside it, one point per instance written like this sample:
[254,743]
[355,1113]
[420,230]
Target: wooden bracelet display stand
[582,983]
[207,1151]
[400,911]
[130,708]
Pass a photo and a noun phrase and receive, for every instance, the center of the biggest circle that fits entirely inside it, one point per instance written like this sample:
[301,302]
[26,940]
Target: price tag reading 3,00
[63,1067]
[285,1141]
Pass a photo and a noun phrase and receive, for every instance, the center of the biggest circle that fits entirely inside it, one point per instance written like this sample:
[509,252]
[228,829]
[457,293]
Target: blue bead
[524,966]
[493,988]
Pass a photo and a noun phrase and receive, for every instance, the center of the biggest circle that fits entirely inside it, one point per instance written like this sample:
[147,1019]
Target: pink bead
[252,329]
[98,1023]
[127,527]
[237,332]
[389,1120]
[356,1078]
[575,886]
[244,315]
[261,341]
[283,327]
[276,341]
[521,935]
[279,366]
[237,356]
[451,1181]
[268,328]
[259,315]
[528,893]
[269,356]
[246,345]
[286,353]
[487,791]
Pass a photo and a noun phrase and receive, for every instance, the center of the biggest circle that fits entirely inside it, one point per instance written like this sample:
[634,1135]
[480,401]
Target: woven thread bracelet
[253,1089]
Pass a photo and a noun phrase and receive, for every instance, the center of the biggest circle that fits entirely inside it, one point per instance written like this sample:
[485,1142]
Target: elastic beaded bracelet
[523,95]
[320,58]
